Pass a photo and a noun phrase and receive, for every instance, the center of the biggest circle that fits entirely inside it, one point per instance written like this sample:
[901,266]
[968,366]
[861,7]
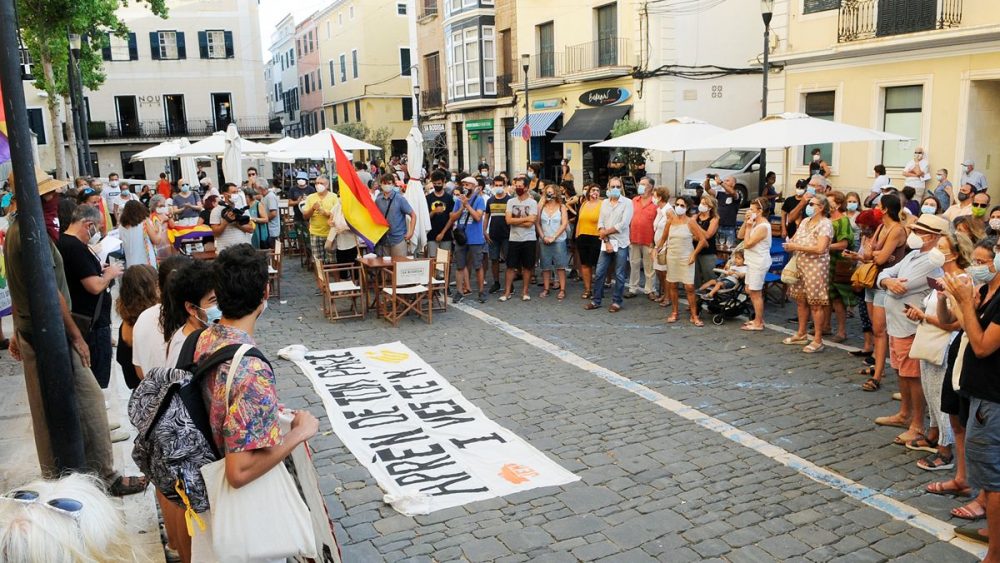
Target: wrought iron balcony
[505,86]
[190,128]
[606,52]
[867,19]
[430,98]
[541,65]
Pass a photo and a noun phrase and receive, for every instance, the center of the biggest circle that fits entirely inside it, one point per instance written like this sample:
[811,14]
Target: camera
[235,215]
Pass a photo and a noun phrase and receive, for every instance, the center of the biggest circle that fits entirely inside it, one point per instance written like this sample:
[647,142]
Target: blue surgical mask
[852,206]
[810,210]
[811,190]
[614,193]
[212,314]
[928,209]
[395,189]
[980,273]
[640,189]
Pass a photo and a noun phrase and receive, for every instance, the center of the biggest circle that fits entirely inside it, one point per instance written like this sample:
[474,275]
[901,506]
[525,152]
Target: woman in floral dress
[811,245]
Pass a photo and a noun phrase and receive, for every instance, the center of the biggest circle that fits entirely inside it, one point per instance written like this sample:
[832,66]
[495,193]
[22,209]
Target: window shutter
[154,45]
[181,47]
[230,53]
[404,62]
[203,44]
[133,47]
[106,46]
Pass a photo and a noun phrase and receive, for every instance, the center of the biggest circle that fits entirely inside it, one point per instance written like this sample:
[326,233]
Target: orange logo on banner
[517,474]
[387,356]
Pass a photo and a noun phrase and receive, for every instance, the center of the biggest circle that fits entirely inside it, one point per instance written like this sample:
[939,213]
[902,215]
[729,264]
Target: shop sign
[479,125]
[546,104]
[604,96]
[146,101]
[434,128]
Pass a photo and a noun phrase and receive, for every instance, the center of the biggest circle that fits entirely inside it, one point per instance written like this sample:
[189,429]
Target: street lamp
[76,97]
[416,103]
[526,132]
[766,11]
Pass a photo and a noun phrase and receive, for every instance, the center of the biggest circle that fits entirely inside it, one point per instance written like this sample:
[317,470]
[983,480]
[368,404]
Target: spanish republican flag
[360,210]
[4,143]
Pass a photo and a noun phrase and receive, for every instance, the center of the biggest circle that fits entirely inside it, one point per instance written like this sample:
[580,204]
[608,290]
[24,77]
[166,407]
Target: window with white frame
[343,67]
[903,115]
[821,106]
[354,62]
[472,62]
[168,44]
[489,61]
[119,48]
[216,44]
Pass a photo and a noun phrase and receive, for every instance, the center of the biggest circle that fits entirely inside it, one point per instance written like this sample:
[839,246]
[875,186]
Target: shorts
[318,247]
[555,256]
[469,254]
[982,444]
[521,254]
[899,356]
[879,299]
[589,247]
[498,250]
[754,278]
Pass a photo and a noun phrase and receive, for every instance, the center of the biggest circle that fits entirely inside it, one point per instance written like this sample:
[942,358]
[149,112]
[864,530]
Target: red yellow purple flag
[360,210]
[4,142]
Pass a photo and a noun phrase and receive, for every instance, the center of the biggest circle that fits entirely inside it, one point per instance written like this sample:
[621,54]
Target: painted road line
[898,510]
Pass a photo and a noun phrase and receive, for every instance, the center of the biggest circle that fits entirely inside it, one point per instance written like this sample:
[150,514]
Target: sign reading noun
[604,96]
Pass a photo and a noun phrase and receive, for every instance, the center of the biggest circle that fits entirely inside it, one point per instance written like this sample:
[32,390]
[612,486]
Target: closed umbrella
[232,168]
[415,189]
[787,130]
[677,134]
[189,168]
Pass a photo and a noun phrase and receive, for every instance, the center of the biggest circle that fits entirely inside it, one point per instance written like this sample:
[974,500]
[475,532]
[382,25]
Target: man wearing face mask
[790,223]
[230,225]
[439,203]
[111,191]
[297,194]
[90,288]
[497,231]
[728,209]
[906,287]
[964,207]
[640,252]
[980,205]
[972,176]
[396,211]
[613,230]
[317,209]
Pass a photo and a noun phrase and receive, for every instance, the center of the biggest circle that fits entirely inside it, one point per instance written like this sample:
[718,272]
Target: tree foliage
[630,156]
[380,137]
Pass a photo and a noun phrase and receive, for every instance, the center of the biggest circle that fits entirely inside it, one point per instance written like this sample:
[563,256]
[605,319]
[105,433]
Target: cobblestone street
[655,485]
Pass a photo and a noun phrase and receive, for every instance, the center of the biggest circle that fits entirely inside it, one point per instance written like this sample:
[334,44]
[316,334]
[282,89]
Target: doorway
[128,115]
[982,133]
[173,115]
[222,110]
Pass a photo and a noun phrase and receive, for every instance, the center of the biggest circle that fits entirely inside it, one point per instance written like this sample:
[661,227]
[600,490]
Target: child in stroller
[724,296]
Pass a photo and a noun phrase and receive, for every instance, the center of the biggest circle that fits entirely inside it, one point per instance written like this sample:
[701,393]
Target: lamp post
[525,63]
[766,11]
[79,110]
[416,104]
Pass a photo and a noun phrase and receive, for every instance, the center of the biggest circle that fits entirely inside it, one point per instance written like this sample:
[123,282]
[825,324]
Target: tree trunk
[54,117]
[74,161]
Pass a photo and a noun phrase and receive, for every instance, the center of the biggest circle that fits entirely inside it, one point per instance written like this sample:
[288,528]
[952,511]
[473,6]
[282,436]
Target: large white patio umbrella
[415,189]
[232,167]
[679,134]
[215,145]
[318,147]
[166,149]
[787,130]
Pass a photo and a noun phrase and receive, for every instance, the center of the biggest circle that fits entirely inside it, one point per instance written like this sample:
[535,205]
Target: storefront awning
[591,125]
[540,123]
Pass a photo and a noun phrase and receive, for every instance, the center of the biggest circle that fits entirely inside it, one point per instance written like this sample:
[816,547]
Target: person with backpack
[244,423]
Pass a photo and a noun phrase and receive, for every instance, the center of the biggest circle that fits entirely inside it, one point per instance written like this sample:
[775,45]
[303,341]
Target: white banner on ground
[427,446]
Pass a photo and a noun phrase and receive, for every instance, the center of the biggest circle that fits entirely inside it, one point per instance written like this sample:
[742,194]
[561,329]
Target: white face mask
[995,224]
[816,158]
[300,182]
[320,188]
[936,258]
[113,183]
[161,210]
[914,241]
[703,208]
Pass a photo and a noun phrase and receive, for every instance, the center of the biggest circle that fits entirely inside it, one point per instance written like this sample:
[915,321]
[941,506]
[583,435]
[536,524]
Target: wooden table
[373,270]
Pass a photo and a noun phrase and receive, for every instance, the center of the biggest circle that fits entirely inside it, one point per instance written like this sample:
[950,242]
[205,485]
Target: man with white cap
[906,286]
[972,176]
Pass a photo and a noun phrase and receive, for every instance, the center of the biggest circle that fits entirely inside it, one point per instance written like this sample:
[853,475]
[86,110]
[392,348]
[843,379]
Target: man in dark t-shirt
[439,203]
[788,223]
[497,230]
[298,193]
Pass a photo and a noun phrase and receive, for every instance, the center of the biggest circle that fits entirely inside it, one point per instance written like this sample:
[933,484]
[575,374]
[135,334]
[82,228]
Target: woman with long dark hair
[138,292]
[188,303]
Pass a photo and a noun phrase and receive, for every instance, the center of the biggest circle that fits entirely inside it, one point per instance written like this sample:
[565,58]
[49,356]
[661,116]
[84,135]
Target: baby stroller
[729,302]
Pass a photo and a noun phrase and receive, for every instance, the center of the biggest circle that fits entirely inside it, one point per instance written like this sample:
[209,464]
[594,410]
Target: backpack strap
[185,360]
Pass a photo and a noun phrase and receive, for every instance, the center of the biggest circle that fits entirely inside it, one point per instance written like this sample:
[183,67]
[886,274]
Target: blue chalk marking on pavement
[866,495]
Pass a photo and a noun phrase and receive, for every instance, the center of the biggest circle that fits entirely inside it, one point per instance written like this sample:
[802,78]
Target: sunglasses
[66,506]
[981,205]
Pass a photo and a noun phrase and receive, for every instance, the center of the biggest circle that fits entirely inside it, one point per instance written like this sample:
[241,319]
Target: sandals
[586,295]
[838,338]
[812,348]
[128,485]
[672,318]
[614,308]
[869,371]
[544,293]
[561,295]
[665,302]
[750,326]
[795,340]
[525,297]
[894,420]
[871,385]
[504,298]
[939,488]
[972,511]
[936,462]
[862,353]
[591,306]
[697,322]
[922,444]
[903,439]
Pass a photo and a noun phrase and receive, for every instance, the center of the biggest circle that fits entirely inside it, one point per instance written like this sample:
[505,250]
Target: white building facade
[285,76]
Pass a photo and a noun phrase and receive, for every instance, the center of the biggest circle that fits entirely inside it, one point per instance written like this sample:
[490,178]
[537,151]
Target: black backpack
[175,437]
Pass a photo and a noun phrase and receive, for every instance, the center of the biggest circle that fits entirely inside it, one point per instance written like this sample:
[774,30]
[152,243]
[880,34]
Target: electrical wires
[702,72]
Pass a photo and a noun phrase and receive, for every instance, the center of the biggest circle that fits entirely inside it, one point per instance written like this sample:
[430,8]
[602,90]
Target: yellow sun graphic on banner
[387,356]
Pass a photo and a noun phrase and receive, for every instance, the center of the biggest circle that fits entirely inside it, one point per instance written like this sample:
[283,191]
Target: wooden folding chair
[440,280]
[408,290]
[334,289]
[274,269]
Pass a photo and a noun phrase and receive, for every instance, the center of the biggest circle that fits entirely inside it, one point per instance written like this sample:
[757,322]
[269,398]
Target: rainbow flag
[360,210]
[4,143]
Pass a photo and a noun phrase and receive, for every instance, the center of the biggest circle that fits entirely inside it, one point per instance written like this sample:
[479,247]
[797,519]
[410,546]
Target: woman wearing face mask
[993,223]
[587,240]
[551,225]
[944,193]
[187,205]
[136,244]
[756,235]
[682,240]
[888,246]
[708,220]
[534,178]
[157,224]
[841,294]
[811,292]
[661,198]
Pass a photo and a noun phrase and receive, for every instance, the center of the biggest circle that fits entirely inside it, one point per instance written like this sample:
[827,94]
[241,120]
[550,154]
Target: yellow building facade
[366,66]
[925,69]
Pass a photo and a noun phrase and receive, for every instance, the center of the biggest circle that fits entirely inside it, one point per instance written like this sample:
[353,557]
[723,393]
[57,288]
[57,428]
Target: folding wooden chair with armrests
[409,289]
[335,289]
[440,280]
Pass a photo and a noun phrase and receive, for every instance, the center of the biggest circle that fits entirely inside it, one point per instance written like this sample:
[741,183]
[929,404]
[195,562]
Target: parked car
[743,164]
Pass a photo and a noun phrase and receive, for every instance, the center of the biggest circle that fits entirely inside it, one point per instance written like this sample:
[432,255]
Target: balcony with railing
[542,65]
[867,19]
[505,85]
[431,98]
[428,8]
[601,54]
[248,126]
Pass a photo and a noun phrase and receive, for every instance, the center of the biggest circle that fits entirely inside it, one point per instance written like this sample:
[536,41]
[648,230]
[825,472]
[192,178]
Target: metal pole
[527,142]
[54,366]
[75,111]
[763,105]
[84,131]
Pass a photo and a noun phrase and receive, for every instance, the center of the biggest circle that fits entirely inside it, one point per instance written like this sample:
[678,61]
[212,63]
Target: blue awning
[540,123]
